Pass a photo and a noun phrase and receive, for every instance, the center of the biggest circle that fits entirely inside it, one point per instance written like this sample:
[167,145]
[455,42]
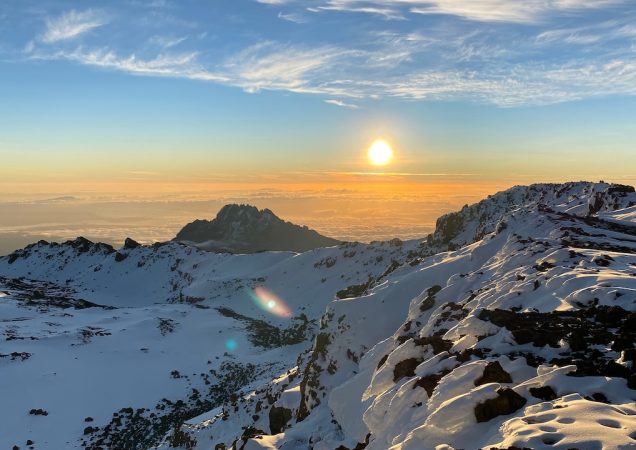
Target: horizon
[135,117]
[184,212]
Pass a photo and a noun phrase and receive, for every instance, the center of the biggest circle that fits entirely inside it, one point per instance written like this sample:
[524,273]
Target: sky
[136,116]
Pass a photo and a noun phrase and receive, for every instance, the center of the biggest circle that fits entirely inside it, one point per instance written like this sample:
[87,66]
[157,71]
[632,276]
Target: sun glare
[380,153]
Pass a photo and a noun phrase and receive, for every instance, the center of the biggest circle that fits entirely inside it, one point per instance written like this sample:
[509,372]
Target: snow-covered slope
[521,336]
[167,330]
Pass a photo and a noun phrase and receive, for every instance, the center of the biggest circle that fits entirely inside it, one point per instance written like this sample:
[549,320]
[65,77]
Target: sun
[380,153]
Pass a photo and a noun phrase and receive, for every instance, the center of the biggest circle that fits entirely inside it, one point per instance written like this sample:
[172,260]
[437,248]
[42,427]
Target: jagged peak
[245,228]
[244,212]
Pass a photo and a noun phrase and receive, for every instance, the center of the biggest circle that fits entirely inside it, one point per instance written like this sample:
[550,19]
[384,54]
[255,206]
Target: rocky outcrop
[506,402]
[246,229]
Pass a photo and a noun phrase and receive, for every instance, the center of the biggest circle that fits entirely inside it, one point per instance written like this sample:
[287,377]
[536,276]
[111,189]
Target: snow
[625,216]
[524,293]
[572,422]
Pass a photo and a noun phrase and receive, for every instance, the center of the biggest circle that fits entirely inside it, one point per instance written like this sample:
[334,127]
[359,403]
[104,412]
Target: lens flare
[269,302]
[231,344]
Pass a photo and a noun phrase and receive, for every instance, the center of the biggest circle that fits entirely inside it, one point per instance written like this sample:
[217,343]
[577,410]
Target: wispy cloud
[274,2]
[335,72]
[381,9]
[272,66]
[181,65]
[590,34]
[167,41]
[341,104]
[72,24]
[526,11]
[292,17]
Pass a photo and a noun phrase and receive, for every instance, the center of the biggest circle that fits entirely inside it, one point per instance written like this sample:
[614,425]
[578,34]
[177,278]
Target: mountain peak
[243,228]
[244,213]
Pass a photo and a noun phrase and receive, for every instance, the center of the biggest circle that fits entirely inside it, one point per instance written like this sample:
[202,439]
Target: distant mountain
[246,229]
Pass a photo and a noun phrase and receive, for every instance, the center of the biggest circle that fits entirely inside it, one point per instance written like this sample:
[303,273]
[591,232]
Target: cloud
[342,104]
[154,4]
[72,24]
[523,84]
[167,41]
[272,66]
[335,72]
[526,11]
[181,65]
[292,17]
[274,2]
[385,12]
[590,34]
[448,60]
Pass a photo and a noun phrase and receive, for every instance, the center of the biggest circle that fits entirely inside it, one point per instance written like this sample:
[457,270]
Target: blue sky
[348,51]
[282,84]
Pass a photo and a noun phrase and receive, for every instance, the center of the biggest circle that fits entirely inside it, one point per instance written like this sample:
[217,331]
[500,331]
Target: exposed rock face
[131,243]
[506,402]
[278,418]
[246,229]
[473,222]
[494,373]
[545,393]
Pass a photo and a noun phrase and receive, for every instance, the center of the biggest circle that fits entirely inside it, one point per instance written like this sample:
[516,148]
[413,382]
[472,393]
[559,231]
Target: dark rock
[613,369]
[382,361]
[545,393]
[430,382]
[629,354]
[544,266]
[427,304]
[438,344]
[449,226]
[600,397]
[493,373]
[262,334]
[622,343]
[506,402]
[131,243]
[353,291]
[278,419]
[246,229]
[620,188]
[81,244]
[405,368]
[119,257]
[631,382]
[429,301]
[577,341]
